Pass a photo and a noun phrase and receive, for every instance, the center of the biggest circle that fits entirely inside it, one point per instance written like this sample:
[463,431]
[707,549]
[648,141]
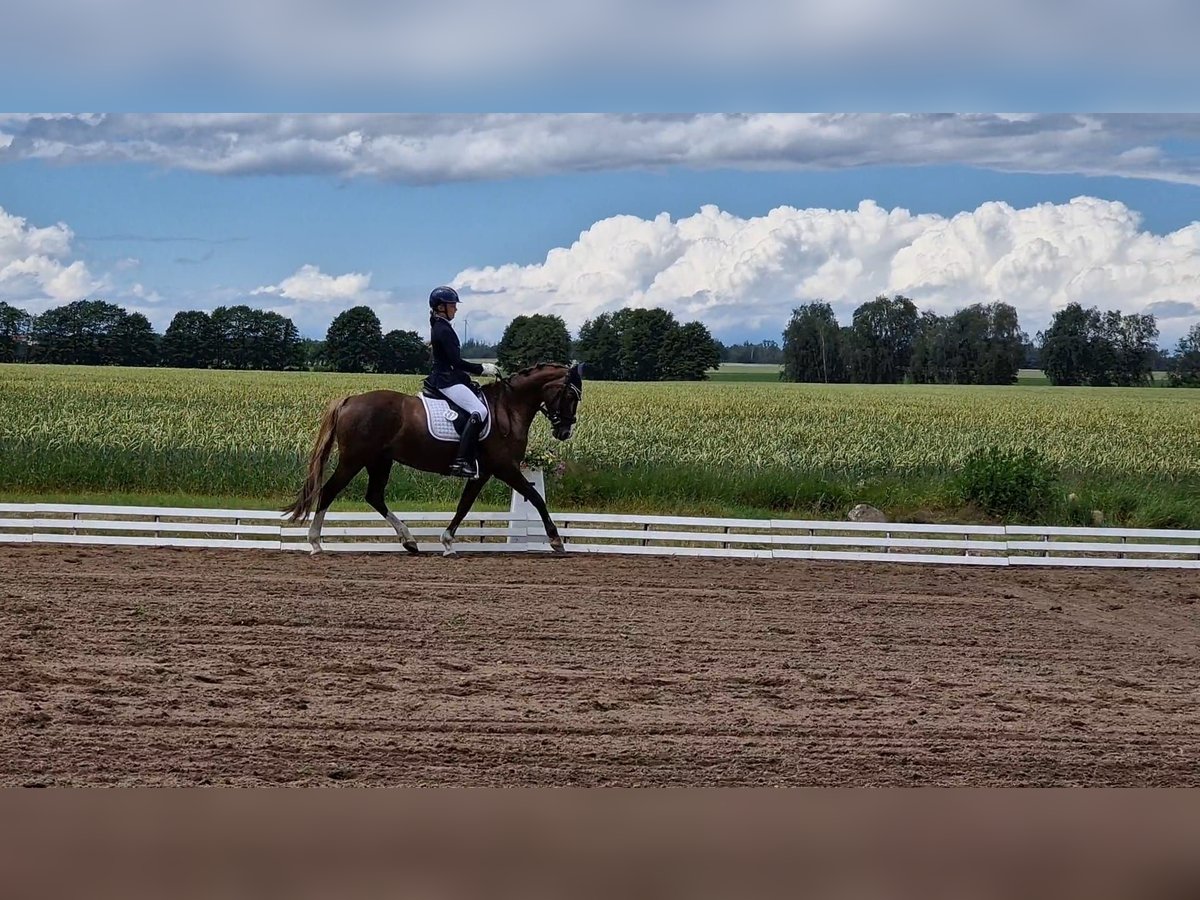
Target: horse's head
[560,402]
[555,390]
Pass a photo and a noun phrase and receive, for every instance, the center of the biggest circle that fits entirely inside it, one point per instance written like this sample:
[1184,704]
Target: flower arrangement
[545,459]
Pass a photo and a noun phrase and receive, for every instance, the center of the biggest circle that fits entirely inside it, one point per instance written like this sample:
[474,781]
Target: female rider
[449,376]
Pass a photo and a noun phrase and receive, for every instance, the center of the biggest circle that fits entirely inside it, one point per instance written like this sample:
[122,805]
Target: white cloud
[311,298]
[428,149]
[36,269]
[746,275]
[310,285]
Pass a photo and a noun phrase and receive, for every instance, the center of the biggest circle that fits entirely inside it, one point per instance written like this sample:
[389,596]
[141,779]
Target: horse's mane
[542,365]
[533,370]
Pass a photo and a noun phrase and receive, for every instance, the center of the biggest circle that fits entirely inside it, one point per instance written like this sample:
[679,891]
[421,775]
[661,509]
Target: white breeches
[465,397]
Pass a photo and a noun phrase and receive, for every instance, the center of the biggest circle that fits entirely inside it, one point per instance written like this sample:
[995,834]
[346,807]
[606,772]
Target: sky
[597,188]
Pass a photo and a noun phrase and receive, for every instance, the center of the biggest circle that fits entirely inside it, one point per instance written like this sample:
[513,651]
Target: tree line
[95,332]
[887,341]
[640,344]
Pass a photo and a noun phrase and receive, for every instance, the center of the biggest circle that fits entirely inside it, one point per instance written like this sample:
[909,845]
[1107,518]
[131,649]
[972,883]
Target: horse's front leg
[523,486]
[465,502]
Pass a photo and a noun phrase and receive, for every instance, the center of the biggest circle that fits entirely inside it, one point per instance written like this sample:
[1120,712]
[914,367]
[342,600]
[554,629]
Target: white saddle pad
[441,418]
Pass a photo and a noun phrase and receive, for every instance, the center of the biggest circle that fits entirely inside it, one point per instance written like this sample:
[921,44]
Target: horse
[375,429]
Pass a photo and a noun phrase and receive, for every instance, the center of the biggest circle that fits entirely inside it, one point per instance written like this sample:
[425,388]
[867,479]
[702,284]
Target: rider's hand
[491,369]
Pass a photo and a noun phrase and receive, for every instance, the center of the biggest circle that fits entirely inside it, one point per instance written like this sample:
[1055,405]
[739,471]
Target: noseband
[555,419]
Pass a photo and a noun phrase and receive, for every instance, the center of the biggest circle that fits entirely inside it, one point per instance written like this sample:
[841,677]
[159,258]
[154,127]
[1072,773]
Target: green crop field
[736,447]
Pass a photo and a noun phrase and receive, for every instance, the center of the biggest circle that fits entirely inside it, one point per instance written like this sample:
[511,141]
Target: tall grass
[762,448]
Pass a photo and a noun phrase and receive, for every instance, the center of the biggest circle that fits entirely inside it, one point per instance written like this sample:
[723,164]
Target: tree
[529,340]
[599,346]
[280,343]
[236,329]
[980,344]
[767,351]
[403,352]
[1068,346]
[688,352]
[14,333]
[255,339]
[473,349]
[1004,351]
[1184,370]
[1136,350]
[354,341]
[641,336]
[80,333]
[931,351]
[133,341]
[812,346]
[312,354]
[190,341]
[1085,346]
[882,337]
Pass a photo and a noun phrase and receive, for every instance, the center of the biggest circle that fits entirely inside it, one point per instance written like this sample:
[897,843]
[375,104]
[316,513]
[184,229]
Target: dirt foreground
[186,667]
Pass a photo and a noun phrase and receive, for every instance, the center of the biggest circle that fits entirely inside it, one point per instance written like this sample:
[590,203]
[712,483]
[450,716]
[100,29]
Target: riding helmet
[442,294]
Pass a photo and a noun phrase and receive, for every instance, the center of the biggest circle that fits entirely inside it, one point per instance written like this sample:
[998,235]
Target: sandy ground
[184,667]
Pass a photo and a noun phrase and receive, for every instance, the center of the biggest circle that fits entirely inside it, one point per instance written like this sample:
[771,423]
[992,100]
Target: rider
[450,376]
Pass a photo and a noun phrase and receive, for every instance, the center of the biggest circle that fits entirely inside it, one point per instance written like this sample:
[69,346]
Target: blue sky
[729,219]
[295,215]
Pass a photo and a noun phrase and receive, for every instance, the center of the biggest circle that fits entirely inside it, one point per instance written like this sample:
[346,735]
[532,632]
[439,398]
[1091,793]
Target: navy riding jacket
[448,365]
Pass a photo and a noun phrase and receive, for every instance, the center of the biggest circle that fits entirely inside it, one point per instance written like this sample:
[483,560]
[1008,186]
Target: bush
[1008,483]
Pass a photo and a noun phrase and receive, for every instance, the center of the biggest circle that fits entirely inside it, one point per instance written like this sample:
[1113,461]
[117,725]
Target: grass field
[745,372]
[736,448]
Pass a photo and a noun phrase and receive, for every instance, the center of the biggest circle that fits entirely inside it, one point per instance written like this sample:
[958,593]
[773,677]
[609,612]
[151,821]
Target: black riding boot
[465,464]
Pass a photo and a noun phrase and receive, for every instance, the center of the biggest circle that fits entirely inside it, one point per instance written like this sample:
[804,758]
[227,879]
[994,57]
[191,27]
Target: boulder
[865,513]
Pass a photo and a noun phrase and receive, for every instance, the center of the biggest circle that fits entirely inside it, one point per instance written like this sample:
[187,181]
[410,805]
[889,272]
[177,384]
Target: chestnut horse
[378,428]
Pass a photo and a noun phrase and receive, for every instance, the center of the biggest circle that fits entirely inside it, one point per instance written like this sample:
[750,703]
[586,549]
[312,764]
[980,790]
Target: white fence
[483,532]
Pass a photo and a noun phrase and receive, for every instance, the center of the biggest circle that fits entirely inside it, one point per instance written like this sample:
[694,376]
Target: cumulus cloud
[36,268]
[428,149]
[311,298]
[744,275]
[310,285]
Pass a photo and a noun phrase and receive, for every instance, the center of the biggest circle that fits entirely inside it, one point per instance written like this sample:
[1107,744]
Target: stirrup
[464,468]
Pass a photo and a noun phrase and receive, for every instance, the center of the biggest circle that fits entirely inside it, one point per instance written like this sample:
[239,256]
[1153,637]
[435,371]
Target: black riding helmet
[441,295]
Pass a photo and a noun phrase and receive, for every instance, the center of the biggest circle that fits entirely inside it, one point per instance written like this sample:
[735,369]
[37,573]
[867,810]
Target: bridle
[556,419]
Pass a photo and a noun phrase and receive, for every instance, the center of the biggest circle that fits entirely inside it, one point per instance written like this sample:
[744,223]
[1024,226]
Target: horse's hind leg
[337,482]
[377,477]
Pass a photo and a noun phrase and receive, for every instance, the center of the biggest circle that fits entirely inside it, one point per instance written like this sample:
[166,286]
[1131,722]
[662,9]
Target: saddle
[446,419]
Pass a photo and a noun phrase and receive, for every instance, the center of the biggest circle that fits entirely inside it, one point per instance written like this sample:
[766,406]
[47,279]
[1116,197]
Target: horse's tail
[306,500]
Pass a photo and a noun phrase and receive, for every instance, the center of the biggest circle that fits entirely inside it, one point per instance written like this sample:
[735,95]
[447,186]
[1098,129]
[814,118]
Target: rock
[864,513]
[1097,518]
[1072,497]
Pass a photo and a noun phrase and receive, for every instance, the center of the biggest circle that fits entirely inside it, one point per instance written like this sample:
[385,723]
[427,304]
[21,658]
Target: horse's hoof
[315,551]
[449,554]
[557,546]
[412,548]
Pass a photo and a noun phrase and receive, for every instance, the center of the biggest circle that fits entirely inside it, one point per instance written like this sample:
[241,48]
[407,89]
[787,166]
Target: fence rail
[492,532]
